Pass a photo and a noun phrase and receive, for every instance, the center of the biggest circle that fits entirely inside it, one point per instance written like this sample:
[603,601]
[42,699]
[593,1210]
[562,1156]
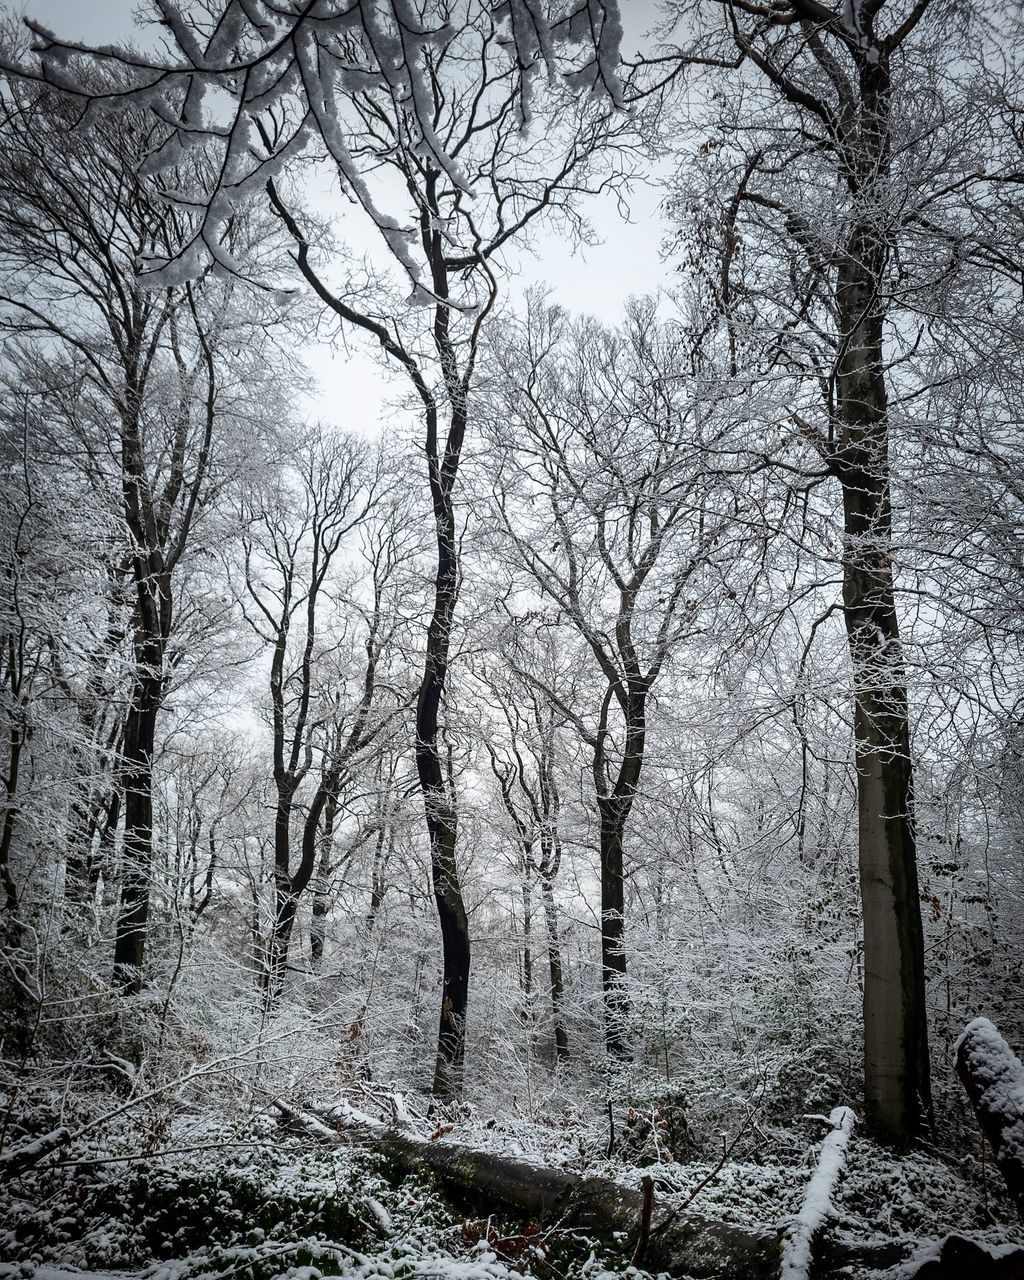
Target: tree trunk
[91,815]
[94,810]
[816,1207]
[527,940]
[321,900]
[554,969]
[896,1070]
[613,814]
[384,839]
[614,806]
[17,739]
[285,896]
[441,816]
[451,1033]
[280,941]
[139,744]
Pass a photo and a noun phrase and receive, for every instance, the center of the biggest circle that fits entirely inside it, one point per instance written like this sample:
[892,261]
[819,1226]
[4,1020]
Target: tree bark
[527,938]
[896,1067]
[554,969]
[321,900]
[139,745]
[10,888]
[612,815]
[438,796]
[285,896]
[614,807]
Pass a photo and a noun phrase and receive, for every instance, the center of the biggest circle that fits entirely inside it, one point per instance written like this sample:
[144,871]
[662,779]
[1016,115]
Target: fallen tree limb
[993,1076]
[13,1163]
[682,1244]
[798,1241]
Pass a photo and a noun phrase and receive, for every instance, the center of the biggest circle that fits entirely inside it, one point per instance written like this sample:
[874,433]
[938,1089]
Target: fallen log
[679,1243]
[993,1076]
[798,1241]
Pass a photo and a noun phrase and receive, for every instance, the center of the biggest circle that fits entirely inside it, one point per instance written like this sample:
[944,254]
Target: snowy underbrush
[260,1202]
[268,1201]
[177,1165]
[279,1208]
[882,1196]
[918,1196]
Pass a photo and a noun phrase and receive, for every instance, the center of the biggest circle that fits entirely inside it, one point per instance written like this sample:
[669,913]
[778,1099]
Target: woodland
[569,823]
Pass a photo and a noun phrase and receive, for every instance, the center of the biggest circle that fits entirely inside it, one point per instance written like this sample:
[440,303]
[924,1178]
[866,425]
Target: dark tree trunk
[10,888]
[321,899]
[384,839]
[439,802]
[527,939]
[280,942]
[139,743]
[93,818]
[614,807]
[613,814]
[285,896]
[289,888]
[554,969]
[896,1068]
[442,468]
[94,810]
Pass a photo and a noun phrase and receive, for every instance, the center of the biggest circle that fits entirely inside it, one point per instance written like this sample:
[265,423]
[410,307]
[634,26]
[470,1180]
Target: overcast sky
[597,280]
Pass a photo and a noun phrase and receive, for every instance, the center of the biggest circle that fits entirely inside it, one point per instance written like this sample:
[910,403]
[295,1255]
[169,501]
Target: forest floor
[187,1197]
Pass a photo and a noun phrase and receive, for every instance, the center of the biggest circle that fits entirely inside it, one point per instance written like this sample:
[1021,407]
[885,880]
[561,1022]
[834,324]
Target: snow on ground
[287,1206]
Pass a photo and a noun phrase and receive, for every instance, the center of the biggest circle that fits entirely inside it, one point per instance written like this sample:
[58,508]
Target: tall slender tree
[838,166]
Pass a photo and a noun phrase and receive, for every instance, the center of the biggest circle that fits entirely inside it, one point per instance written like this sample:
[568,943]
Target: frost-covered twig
[17,1160]
[817,1201]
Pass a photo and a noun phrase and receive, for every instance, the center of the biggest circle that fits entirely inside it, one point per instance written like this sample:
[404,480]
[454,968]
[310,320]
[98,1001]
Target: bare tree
[834,185]
[601,429]
[525,769]
[293,543]
[76,220]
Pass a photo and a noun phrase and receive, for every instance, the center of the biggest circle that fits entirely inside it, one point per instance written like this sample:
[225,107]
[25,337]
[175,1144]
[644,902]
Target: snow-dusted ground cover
[283,1208]
[266,1202]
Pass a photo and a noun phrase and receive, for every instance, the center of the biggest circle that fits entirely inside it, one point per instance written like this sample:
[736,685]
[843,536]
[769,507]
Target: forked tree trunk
[288,887]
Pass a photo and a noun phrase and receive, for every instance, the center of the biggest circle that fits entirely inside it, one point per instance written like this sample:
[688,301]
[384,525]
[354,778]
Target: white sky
[354,389]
